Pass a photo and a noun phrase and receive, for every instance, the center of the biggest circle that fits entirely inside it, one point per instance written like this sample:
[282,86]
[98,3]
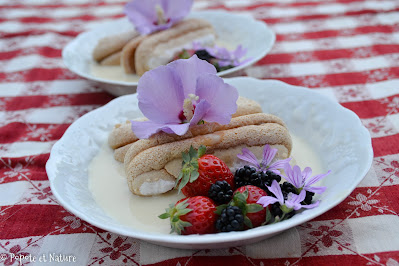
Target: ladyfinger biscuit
[128,54]
[225,144]
[203,129]
[112,44]
[112,60]
[122,134]
[160,48]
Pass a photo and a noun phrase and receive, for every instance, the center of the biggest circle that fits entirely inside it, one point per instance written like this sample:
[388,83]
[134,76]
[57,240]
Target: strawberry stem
[189,172]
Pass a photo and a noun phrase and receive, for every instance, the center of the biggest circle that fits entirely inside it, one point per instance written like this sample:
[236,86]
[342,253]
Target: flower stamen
[160,15]
[188,106]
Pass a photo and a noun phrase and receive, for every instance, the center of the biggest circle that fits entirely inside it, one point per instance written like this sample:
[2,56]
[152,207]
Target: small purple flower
[223,56]
[183,93]
[154,15]
[303,180]
[293,201]
[266,164]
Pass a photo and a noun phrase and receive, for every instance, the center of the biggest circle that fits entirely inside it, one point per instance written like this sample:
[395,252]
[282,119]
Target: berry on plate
[200,171]
[248,175]
[245,198]
[194,215]
[220,192]
[231,219]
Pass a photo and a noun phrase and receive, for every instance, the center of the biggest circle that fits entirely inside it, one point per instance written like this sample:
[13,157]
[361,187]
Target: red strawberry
[245,198]
[200,171]
[195,215]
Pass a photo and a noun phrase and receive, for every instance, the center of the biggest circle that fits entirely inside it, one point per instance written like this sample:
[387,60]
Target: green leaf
[181,205]
[268,216]
[248,222]
[192,153]
[194,176]
[184,181]
[220,208]
[164,215]
[245,194]
[186,157]
[201,151]
[184,54]
[179,178]
[174,219]
[252,208]
[242,206]
[183,212]
[240,197]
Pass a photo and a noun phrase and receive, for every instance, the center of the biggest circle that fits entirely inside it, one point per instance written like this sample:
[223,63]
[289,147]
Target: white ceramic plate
[335,133]
[231,29]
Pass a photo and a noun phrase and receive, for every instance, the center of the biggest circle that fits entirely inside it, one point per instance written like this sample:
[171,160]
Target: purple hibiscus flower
[303,180]
[223,56]
[183,93]
[293,201]
[266,163]
[154,15]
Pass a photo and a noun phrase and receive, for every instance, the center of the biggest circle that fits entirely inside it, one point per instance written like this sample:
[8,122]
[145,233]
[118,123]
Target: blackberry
[249,176]
[290,214]
[276,211]
[231,219]
[204,55]
[220,192]
[286,188]
[308,198]
[273,176]
[246,176]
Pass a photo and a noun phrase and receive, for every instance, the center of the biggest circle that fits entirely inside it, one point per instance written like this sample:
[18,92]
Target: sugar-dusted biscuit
[160,48]
[112,60]
[127,59]
[152,170]
[122,134]
[157,160]
[112,44]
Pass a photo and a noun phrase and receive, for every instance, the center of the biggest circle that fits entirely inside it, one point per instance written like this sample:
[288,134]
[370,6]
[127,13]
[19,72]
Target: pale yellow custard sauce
[108,185]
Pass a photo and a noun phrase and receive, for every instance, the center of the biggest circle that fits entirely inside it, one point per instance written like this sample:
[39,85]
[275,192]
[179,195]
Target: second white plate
[231,29]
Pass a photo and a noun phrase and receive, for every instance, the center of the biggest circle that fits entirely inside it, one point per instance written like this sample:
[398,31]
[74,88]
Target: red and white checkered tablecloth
[346,49]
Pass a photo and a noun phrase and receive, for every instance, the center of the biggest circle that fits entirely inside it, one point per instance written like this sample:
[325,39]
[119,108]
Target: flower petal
[310,206]
[248,156]
[276,190]
[176,10]
[144,129]
[316,178]
[306,173]
[291,176]
[222,97]
[297,175]
[189,70]
[200,110]
[317,190]
[161,95]
[279,164]
[294,201]
[142,14]
[266,200]
[268,155]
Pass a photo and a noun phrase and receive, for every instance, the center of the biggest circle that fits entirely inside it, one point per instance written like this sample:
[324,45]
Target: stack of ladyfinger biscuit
[139,53]
[152,165]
